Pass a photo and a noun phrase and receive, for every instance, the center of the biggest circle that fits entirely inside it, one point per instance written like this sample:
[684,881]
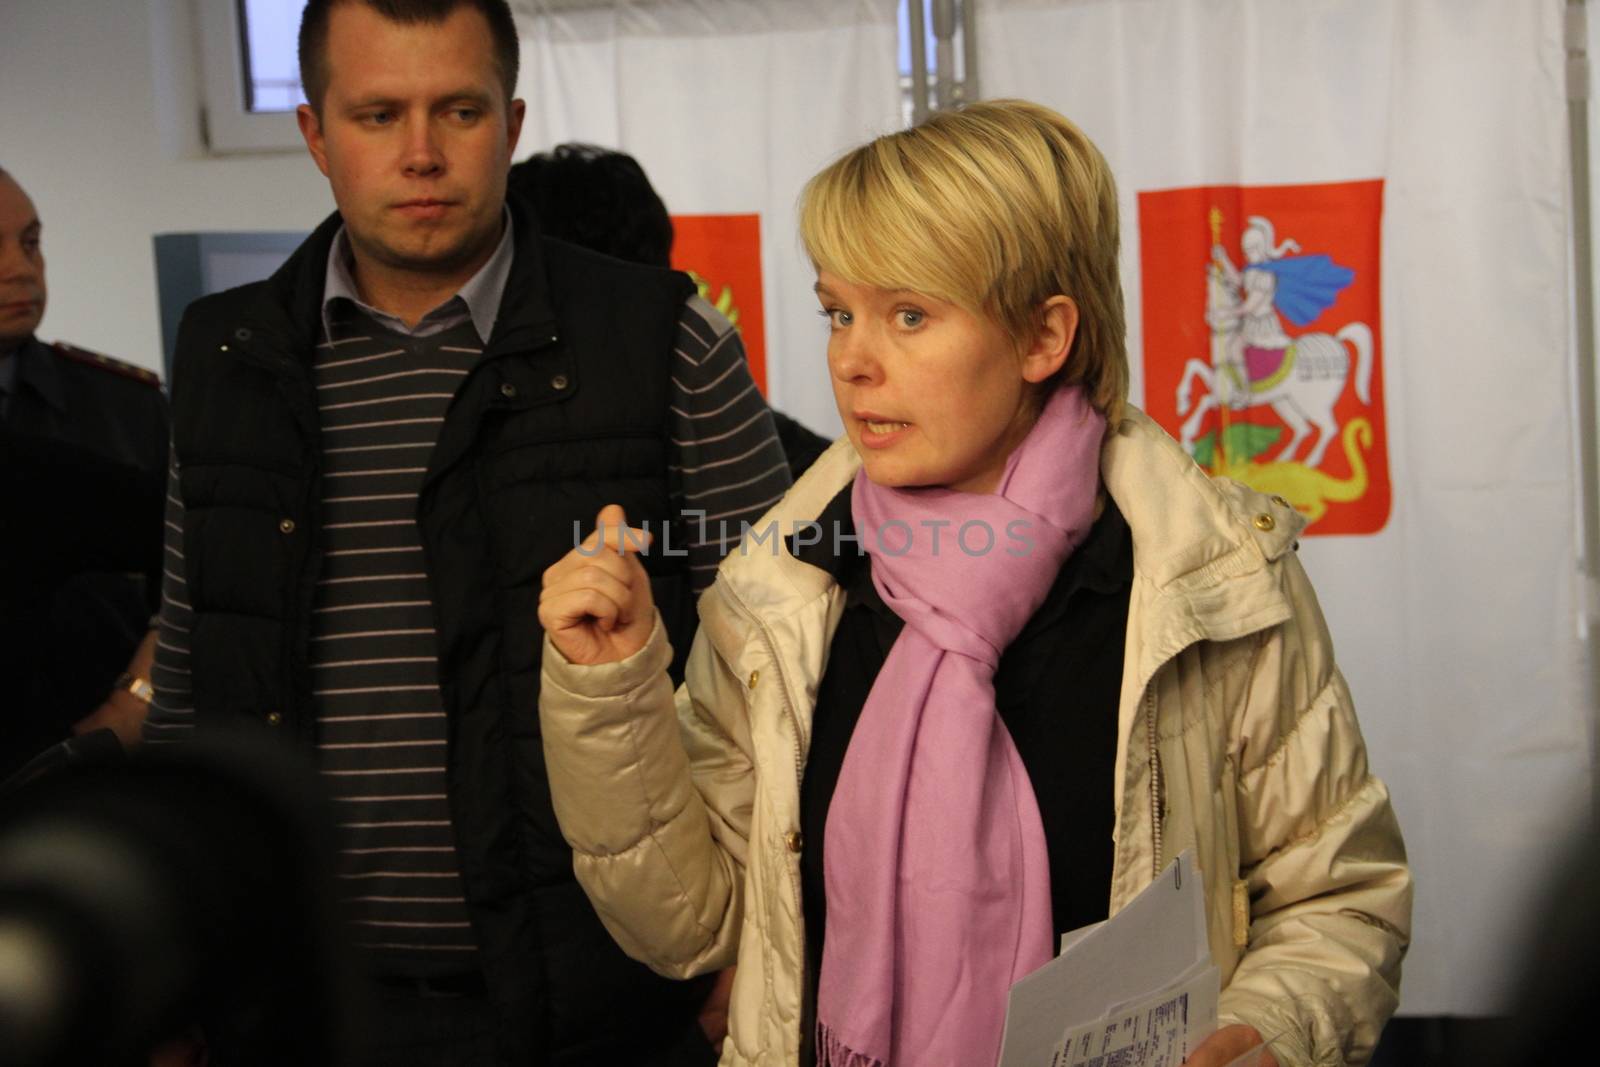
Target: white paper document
[1138,990]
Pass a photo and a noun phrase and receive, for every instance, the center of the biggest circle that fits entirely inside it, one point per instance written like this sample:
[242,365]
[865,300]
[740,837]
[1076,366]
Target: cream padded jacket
[1236,738]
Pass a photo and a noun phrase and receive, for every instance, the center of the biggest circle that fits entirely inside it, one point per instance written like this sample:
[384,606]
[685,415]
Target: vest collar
[526,318]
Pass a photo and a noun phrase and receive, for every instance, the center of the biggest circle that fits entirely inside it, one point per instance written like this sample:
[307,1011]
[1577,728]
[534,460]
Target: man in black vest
[377,453]
[83,447]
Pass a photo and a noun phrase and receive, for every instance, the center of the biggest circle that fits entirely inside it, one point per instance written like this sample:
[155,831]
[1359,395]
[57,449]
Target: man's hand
[121,712]
[596,603]
[1227,1045]
[714,1012]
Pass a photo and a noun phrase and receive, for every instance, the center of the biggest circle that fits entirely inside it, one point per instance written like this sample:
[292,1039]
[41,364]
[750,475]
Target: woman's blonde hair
[995,208]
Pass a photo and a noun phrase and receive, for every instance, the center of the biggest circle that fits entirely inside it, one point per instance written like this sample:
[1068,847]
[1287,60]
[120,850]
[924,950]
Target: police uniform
[83,453]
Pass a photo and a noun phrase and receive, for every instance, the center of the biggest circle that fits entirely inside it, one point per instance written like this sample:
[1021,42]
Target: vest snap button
[755,676]
[286,526]
[559,382]
[794,841]
[274,718]
[1265,521]
[508,390]
[241,334]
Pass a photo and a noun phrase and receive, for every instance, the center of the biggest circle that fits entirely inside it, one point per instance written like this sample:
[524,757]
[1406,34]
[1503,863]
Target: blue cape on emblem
[1307,285]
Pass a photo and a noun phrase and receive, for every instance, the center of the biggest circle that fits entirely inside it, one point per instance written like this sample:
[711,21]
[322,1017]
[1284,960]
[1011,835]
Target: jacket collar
[525,318]
[1189,530]
[762,573]
[39,368]
[761,583]
[1201,548]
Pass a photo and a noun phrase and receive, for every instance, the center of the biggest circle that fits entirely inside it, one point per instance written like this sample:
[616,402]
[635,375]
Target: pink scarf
[937,878]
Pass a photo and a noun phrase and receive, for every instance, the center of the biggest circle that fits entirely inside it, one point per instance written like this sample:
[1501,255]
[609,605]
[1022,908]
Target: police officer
[83,442]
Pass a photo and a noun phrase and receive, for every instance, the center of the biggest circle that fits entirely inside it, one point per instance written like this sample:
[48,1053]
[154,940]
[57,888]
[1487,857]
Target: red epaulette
[115,366]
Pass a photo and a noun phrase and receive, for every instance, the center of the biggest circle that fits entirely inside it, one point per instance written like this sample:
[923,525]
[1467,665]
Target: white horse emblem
[1254,363]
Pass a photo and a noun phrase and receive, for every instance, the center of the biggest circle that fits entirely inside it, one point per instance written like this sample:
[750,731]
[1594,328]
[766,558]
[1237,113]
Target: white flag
[1346,231]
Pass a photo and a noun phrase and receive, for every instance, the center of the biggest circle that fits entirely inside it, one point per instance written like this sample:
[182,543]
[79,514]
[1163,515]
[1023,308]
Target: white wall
[81,129]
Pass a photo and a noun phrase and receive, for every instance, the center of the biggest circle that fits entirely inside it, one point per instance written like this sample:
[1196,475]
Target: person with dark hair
[600,198]
[82,452]
[377,452]
[415,15]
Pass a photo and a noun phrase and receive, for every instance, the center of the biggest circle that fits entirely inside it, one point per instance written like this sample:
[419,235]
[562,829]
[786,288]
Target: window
[271,61]
[250,74]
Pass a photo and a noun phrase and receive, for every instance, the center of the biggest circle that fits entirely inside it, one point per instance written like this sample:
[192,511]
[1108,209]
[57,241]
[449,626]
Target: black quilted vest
[565,412]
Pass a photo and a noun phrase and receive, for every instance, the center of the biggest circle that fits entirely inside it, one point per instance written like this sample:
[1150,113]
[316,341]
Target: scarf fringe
[832,1052]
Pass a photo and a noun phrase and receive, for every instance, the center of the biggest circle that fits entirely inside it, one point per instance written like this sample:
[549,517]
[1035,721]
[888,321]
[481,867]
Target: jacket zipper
[788,709]
[1155,781]
[799,765]
[794,722]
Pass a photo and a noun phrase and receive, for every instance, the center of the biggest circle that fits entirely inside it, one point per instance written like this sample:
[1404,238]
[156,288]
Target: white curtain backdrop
[1458,622]
[730,105]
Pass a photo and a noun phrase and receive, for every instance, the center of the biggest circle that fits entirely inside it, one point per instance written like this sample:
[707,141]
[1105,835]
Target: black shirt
[1056,689]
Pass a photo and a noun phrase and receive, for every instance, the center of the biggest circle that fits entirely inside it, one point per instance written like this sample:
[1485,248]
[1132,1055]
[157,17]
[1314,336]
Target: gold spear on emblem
[1218,363]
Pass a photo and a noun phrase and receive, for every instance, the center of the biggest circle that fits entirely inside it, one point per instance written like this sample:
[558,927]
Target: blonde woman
[996,659]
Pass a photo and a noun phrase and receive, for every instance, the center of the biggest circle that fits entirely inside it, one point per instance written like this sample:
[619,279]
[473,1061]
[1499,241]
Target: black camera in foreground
[184,890]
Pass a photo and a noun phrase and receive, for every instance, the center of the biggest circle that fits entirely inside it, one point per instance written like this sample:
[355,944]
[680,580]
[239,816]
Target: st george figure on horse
[1254,362]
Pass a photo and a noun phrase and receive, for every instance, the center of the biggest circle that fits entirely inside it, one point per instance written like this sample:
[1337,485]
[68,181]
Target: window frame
[227,127]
